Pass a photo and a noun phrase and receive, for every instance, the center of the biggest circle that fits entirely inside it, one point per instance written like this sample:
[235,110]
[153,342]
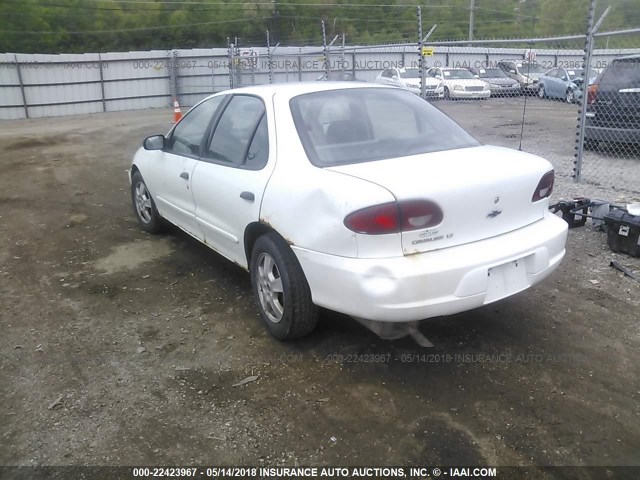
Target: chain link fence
[611,126]
[574,100]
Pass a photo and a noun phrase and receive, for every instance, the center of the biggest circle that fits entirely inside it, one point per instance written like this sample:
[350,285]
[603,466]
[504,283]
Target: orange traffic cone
[177,114]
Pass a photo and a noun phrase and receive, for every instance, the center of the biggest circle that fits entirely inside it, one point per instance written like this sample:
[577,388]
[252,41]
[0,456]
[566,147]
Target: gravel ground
[120,348]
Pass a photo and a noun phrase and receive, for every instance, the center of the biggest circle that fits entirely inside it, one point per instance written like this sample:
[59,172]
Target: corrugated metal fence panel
[58,85]
[11,104]
[200,73]
[84,83]
[136,80]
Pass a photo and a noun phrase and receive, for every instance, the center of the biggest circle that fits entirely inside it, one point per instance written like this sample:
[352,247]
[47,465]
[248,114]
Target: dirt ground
[121,348]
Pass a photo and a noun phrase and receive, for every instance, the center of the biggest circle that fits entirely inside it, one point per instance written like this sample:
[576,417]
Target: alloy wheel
[143,202]
[270,290]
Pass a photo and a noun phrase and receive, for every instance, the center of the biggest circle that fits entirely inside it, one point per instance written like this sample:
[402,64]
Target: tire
[570,96]
[541,92]
[280,289]
[144,207]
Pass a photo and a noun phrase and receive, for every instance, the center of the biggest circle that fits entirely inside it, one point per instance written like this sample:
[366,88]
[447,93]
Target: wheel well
[134,169]
[253,231]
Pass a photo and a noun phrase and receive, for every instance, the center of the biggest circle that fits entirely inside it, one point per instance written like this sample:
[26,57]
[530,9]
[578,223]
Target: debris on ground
[618,266]
[249,379]
[55,403]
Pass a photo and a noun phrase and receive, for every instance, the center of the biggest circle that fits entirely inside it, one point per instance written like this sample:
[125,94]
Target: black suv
[613,104]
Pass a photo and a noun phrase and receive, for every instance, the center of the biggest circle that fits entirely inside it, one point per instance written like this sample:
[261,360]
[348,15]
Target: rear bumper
[430,93]
[465,94]
[498,91]
[440,282]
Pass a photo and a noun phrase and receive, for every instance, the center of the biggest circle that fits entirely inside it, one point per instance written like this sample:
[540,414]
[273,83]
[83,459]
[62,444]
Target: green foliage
[67,26]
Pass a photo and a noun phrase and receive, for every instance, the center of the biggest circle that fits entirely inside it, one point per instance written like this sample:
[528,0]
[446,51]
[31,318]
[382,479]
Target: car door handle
[184,175]
[248,196]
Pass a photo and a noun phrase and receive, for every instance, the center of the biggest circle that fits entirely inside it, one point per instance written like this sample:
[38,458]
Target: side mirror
[476,76]
[154,142]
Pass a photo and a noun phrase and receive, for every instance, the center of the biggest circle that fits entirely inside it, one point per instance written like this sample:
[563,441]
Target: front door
[173,174]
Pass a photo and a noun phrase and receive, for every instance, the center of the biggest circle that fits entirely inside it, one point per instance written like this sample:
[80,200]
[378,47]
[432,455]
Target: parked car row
[509,78]
[440,82]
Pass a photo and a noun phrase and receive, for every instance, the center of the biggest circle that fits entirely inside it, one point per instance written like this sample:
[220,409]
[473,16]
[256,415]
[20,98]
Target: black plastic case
[623,232]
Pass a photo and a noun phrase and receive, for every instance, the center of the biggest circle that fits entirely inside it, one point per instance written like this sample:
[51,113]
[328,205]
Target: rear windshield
[530,68]
[410,73]
[457,74]
[491,73]
[573,74]
[622,74]
[339,127]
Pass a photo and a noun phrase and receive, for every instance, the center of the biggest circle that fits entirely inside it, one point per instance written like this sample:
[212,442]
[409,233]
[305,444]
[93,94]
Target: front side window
[235,131]
[187,136]
[340,127]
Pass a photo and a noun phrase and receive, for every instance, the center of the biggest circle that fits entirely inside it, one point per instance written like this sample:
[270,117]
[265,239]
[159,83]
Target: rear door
[230,179]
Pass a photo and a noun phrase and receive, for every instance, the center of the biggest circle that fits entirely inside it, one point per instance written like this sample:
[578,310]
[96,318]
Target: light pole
[472,7]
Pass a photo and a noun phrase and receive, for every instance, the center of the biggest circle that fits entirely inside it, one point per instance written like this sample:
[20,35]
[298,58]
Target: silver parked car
[526,73]
[499,83]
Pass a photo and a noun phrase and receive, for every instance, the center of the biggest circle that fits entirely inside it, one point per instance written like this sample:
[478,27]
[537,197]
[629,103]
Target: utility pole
[276,20]
[472,7]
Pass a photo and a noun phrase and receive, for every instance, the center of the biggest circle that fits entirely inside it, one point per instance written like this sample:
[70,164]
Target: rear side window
[258,153]
[622,74]
[356,125]
[235,131]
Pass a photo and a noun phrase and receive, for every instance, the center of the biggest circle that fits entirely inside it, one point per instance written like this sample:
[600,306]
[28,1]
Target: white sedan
[460,83]
[409,79]
[363,199]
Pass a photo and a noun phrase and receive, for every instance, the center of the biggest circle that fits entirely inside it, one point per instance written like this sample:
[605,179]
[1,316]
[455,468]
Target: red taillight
[545,187]
[374,220]
[394,217]
[591,93]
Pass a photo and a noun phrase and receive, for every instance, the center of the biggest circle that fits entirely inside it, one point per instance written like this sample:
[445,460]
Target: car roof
[293,89]
[635,56]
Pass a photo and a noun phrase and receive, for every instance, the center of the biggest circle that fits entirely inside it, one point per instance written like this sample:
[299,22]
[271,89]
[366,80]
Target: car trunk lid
[482,191]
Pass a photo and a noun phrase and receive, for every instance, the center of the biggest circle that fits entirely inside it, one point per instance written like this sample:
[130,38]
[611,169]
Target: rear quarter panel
[306,204]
